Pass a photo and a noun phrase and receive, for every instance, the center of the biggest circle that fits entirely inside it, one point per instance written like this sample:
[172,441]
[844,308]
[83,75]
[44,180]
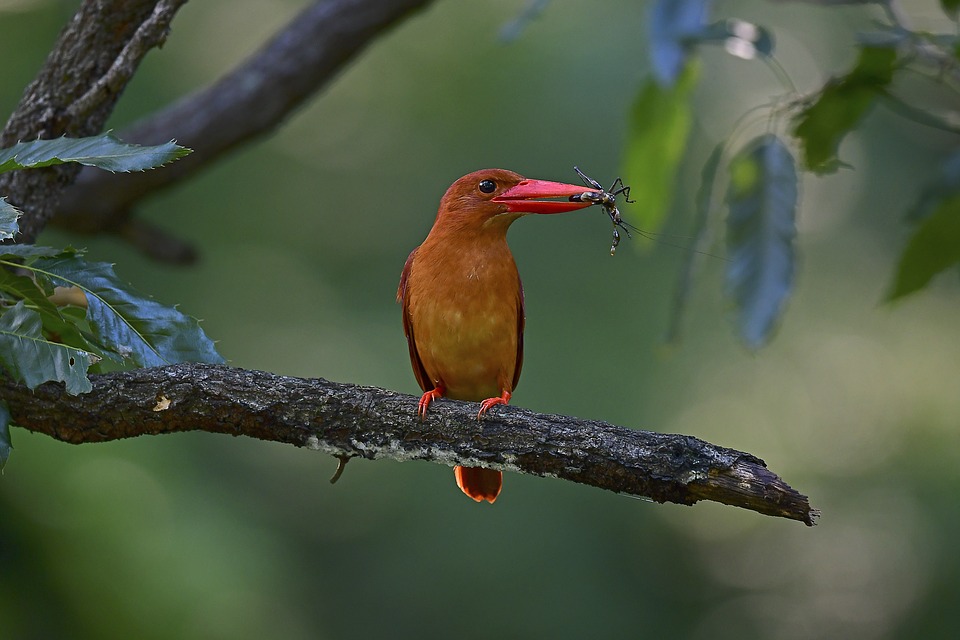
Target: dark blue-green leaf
[842,102]
[103,151]
[30,358]
[674,27]
[934,247]
[656,142]
[5,443]
[761,228]
[57,327]
[8,219]
[146,332]
[29,252]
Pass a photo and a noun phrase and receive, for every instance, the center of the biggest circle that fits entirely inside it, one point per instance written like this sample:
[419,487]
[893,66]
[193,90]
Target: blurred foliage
[197,536]
[660,123]
[840,105]
[820,123]
[762,198]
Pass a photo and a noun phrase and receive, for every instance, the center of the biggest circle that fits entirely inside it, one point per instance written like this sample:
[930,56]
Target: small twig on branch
[149,34]
[243,105]
[342,461]
[354,421]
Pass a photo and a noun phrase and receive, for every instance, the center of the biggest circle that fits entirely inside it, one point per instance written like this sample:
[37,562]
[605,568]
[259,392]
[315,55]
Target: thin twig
[151,33]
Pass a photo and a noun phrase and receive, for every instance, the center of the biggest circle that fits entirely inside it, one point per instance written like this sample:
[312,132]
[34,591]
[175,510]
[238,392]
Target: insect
[608,200]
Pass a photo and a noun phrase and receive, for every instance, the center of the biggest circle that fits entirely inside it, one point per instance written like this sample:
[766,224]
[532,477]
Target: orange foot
[427,398]
[491,402]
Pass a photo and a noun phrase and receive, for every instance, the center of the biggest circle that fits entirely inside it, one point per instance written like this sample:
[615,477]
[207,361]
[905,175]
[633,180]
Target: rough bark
[245,104]
[347,420]
[74,93]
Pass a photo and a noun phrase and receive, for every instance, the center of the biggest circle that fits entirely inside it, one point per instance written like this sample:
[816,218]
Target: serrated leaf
[146,332]
[6,443]
[842,102]
[934,247]
[762,197]
[30,358]
[104,151]
[656,142]
[32,251]
[9,215]
[674,27]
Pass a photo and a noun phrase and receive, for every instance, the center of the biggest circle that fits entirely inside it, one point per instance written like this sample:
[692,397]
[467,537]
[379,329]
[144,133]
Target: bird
[462,299]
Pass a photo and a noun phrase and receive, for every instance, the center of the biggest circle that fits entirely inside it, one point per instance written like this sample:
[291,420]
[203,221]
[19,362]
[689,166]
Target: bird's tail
[478,483]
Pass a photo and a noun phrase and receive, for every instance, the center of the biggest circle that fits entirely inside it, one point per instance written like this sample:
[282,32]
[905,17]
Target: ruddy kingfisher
[463,301]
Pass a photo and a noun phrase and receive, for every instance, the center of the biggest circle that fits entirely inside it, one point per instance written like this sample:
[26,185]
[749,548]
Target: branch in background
[75,92]
[347,420]
[247,103]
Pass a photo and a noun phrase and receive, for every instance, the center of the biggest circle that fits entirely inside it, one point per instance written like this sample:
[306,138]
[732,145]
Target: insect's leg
[625,190]
[616,241]
[587,180]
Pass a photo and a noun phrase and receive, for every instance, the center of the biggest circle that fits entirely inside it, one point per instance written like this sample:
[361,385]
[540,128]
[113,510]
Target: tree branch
[245,104]
[75,92]
[354,421]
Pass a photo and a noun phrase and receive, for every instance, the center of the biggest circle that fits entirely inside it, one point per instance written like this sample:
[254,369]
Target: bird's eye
[487,186]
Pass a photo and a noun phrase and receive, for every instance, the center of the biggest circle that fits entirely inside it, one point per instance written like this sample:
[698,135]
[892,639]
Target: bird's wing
[422,378]
[521,320]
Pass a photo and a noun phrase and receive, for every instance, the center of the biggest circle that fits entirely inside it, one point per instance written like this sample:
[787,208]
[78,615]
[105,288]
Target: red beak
[524,197]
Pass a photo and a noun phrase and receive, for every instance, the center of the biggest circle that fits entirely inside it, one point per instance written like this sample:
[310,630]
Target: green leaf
[30,358]
[103,151]
[842,102]
[657,139]
[141,329]
[8,219]
[934,247]
[5,443]
[762,196]
[950,7]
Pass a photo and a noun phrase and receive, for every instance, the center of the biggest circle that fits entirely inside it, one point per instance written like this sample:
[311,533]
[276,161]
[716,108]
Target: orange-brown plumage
[463,301]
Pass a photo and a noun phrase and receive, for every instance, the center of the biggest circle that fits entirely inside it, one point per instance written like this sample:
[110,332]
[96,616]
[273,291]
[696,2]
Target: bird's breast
[465,315]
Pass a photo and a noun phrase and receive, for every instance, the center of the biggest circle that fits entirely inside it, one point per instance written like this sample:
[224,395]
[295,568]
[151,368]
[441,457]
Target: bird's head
[493,198]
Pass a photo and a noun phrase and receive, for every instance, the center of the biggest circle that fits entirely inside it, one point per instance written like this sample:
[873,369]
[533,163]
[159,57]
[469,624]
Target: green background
[303,236]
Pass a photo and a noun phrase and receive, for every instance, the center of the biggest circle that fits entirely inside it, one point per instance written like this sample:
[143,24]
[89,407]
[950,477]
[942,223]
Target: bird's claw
[492,402]
[425,401]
